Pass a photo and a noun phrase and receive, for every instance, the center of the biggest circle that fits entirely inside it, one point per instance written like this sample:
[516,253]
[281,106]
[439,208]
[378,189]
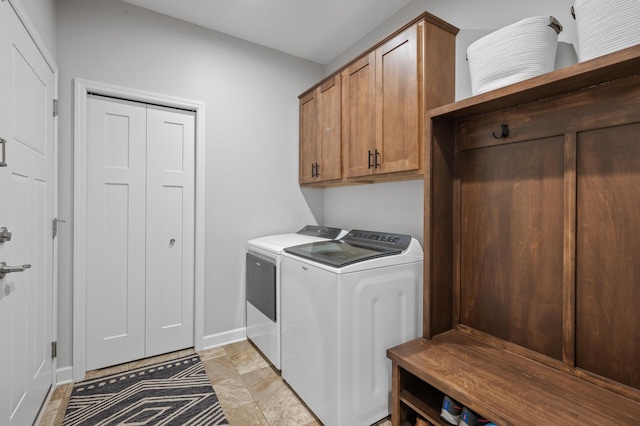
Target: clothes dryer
[263,284]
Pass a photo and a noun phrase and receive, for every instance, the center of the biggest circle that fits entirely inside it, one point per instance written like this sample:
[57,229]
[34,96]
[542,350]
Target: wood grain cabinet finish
[511,206]
[384,95]
[320,133]
[531,251]
[608,251]
[382,126]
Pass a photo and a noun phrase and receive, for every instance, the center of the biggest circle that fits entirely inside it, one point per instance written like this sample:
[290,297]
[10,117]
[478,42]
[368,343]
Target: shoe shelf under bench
[417,398]
[505,387]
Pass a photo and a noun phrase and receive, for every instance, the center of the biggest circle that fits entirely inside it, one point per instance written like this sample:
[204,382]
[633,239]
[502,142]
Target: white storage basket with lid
[606,26]
[514,53]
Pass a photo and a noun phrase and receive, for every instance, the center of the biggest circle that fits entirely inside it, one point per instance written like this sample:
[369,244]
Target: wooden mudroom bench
[506,388]
[530,246]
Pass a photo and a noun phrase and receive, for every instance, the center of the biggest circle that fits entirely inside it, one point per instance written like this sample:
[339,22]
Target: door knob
[5,235]
[4,269]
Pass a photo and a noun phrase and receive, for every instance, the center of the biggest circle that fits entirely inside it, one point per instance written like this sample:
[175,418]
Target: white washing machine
[344,303]
[263,284]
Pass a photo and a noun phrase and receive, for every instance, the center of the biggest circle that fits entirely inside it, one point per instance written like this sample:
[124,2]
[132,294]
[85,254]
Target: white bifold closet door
[140,230]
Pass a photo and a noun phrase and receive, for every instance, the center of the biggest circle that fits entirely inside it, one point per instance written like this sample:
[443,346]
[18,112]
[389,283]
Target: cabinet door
[358,105]
[308,136]
[398,132]
[329,166]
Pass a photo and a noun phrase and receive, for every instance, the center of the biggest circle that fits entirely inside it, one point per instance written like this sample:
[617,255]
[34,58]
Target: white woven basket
[605,26]
[514,53]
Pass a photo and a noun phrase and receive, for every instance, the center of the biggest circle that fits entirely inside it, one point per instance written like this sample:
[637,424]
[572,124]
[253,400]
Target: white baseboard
[225,338]
[64,375]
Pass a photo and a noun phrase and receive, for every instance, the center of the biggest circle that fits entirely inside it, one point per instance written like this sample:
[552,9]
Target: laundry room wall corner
[250,165]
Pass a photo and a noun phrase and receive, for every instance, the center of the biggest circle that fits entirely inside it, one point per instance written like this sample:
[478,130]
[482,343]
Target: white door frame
[44,51]
[81,90]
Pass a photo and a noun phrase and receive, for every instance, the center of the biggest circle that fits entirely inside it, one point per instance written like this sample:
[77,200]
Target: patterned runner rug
[176,393]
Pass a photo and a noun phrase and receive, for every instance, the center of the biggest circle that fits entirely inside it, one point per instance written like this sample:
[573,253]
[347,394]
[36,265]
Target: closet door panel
[170,229]
[115,231]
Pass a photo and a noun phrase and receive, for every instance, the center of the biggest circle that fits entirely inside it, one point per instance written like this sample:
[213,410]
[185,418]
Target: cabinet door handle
[377,161]
[369,162]
[3,163]
[313,170]
[317,170]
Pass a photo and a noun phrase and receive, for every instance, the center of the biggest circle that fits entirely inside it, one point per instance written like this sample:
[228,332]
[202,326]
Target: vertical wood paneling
[569,251]
[439,238]
[511,243]
[608,270]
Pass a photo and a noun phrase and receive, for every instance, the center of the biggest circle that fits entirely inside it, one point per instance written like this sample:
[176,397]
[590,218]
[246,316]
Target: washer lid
[277,243]
[356,246]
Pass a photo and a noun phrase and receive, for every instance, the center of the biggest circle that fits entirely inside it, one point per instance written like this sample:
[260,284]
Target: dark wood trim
[425,16]
[596,71]
[569,251]
[561,192]
[507,388]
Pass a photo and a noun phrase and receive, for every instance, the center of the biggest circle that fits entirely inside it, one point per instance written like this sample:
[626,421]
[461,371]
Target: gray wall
[251,133]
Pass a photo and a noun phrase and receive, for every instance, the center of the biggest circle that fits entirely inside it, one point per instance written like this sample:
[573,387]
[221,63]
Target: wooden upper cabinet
[308,136]
[398,128]
[320,133]
[359,126]
[384,95]
[330,97]
[381,106]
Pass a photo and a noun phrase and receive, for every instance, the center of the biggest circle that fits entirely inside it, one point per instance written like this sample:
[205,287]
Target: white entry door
[26,210]
[140,230]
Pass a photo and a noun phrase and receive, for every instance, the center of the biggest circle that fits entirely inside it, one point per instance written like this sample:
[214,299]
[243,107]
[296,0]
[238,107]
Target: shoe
[469,418]
[451,411]
[422,422]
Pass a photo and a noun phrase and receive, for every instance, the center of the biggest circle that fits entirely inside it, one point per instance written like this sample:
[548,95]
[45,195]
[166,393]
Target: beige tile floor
[250,391]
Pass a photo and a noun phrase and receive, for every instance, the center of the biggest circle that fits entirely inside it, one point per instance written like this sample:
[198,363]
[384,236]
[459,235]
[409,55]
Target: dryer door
[261,285]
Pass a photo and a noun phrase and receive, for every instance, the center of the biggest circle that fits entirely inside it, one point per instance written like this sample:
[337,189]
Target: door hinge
[54,350]
[54,227]
[55,107]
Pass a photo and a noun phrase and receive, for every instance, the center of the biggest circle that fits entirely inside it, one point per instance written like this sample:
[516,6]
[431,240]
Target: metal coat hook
[504,132]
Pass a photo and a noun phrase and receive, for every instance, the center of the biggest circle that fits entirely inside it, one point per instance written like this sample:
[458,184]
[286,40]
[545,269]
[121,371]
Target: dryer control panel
[377,240]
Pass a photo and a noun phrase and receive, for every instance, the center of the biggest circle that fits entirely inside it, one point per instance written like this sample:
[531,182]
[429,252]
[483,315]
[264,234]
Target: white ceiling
[317,30]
